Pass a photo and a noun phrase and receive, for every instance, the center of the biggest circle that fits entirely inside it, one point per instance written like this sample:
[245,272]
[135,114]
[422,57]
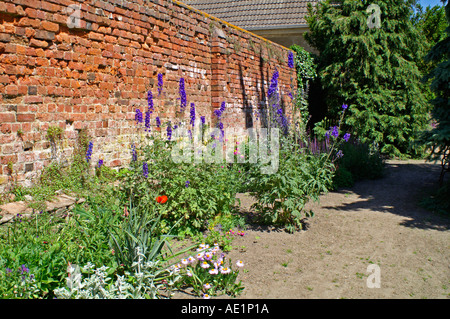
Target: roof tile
[256,14]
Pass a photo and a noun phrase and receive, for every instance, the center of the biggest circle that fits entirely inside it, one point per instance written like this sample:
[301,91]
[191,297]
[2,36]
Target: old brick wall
[91,68]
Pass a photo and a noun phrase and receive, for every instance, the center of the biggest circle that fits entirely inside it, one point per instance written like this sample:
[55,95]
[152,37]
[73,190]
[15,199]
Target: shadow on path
[399,192]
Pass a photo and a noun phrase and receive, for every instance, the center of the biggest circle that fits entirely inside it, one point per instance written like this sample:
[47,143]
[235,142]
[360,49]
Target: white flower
[205,265]
[214,271]
[207,286]
[191,259]
[206,296]
[225,270]
[240,263]
[184,261]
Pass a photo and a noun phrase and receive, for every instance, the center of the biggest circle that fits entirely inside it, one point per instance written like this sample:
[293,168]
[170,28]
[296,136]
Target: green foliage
[438,138]
[45,244]
[282,196]
[199,274]
[359,162]
[209,192]
[221,230]
[438,201]
[343,178]
[373,70]
[55,133]
[431,24]
[137,233]
[305,67]
[146,282]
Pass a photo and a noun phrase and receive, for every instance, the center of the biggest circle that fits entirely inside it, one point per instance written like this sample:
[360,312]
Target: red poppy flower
[161,199]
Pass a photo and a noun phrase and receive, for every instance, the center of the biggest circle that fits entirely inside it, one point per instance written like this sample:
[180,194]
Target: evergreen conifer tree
[438,139]
[373,70]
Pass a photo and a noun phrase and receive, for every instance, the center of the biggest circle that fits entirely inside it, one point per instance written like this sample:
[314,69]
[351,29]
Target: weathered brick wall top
[89,64]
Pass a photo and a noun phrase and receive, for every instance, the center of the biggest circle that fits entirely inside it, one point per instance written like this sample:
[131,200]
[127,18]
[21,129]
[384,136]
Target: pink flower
[200,256]
[225,270]
[205,265]
[208,256]
[213,271]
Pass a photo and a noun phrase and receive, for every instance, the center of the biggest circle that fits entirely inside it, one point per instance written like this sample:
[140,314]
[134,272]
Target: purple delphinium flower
[100,163]
[344,106]
[145,169]
[187,184]
[203,120]
[339,154]
[291,59]
[150,101]
[346,137]
[160,83]
[169,132]
[147,120]
[89,152]
[273,84]
[220,111]
[133,153]
[8,270]
[158,122]
[192,114]
[138,116]
[334,131]
[182,94]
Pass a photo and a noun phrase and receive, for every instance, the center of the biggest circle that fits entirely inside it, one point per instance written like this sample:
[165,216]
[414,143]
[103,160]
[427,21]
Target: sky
[432,3]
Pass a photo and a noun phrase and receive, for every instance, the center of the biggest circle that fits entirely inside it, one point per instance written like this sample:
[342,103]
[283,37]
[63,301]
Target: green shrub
[342,178]
[282,196]
[358,163]
[196,192]
[439,200]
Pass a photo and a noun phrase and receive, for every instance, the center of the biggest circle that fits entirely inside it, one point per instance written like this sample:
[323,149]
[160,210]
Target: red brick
[5,128]
[4,79]
[50,26]
[44,35]
[7,117]
[38,43]
[32,99]
[25,117]
[12,90]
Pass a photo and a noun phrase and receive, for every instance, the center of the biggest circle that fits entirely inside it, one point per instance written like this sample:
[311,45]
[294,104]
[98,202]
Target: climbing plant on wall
[306,71]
